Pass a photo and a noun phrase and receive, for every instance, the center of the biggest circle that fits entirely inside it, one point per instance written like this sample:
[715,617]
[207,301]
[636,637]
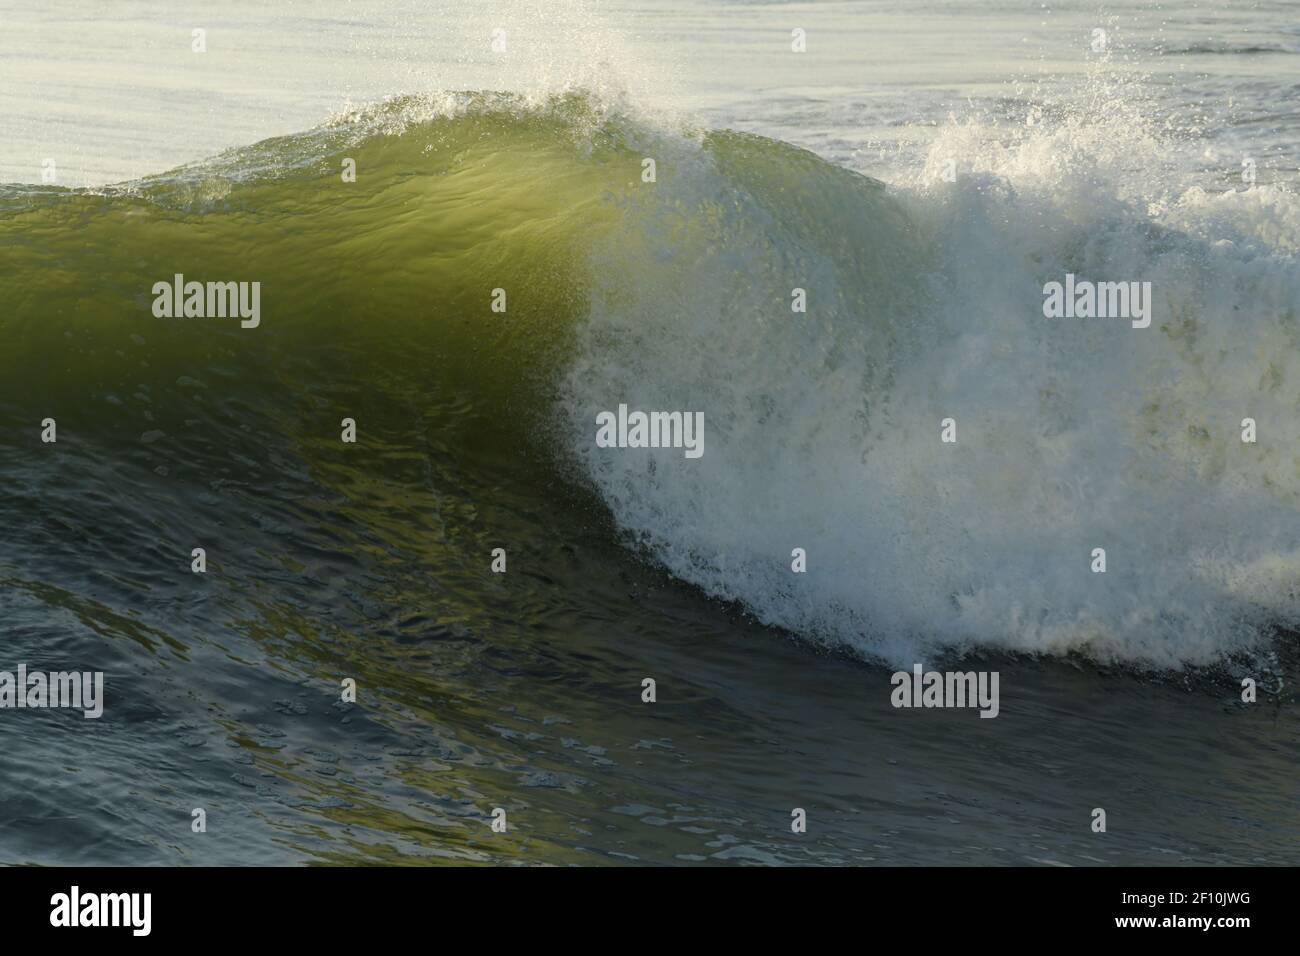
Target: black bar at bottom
[333,905]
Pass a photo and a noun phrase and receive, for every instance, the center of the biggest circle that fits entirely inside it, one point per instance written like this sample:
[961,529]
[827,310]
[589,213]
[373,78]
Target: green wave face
[382,284]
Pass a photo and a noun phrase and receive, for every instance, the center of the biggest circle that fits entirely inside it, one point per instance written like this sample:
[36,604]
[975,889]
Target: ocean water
[921,170]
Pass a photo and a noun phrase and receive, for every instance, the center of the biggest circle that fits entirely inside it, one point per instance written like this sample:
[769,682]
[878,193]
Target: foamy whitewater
[926,303]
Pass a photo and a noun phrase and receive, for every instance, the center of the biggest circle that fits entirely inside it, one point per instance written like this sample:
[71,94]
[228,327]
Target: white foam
[823,429]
